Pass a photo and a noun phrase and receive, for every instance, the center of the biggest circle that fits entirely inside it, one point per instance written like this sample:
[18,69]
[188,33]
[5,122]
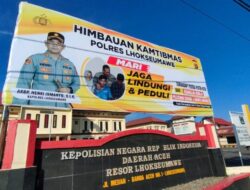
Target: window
[85,125]
[46,121]
[101,126]
[28,116]
[54,121]
[38,120]
[231,140]
[64,121]
[114,125]
[120,125]
[117,125]
[106,126]
[91,125]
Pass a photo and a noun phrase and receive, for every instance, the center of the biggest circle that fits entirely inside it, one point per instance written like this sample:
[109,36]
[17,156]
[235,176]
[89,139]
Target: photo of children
[117,87]
[106,73]
[102,90]
[104,84]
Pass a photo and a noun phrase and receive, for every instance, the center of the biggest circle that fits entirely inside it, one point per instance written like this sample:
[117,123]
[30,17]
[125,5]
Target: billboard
[184,128]
[58,60]
[240,128]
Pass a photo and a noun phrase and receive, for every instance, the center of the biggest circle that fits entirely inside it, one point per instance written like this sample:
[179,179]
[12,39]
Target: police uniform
[42,72]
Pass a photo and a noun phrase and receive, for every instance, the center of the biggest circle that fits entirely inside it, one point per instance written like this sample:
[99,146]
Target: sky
[215,31]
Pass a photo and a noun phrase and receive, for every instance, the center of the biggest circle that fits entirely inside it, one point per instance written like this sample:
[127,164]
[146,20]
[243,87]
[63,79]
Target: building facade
[148,123]
[97,124]
[52,124]
[62,124]
[224,131]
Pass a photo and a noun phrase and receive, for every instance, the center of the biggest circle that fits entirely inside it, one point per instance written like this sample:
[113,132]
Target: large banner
[240,128]
[61,61]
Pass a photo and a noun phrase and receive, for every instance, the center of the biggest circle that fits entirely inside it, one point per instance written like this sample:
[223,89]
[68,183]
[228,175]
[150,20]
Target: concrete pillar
[209,131]
[20,144]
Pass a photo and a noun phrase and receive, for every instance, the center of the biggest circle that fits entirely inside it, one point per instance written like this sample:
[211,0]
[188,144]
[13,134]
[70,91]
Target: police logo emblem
[41,20]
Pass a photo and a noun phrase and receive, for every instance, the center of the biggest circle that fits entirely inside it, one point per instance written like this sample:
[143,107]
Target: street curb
[229,181]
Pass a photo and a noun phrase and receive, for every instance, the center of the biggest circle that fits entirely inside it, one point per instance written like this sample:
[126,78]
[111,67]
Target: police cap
[55,35]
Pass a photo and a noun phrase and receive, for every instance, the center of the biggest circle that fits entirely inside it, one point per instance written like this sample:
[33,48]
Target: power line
[10,72]
[215,20]
[110,54]
[243,4]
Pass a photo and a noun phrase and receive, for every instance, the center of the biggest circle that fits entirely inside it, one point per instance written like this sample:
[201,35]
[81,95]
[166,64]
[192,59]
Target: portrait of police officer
[48,71]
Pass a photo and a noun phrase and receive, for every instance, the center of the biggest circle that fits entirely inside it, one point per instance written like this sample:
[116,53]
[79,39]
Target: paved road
[231,156]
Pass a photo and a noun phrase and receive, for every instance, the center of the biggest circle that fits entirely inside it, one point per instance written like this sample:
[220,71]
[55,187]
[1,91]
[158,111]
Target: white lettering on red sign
[127,64]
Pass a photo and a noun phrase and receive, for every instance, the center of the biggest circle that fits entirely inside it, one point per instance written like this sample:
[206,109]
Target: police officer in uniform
[48,71]
[107,74]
